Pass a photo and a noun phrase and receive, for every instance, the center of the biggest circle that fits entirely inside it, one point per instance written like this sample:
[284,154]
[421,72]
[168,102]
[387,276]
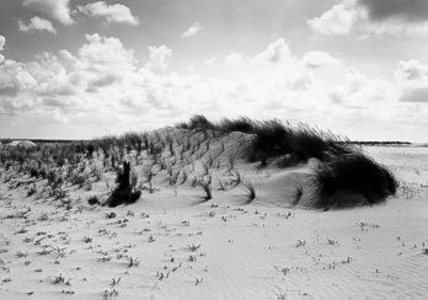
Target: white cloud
[192,30]
[336,21]
[359,92]
[412,76]
[37,24]
[234,59]
[159,58]
[14,78]
[412,72]
[102,85]
[374,17]
[114,13]
[56,9]
[2,42]
[319,59]
[276,52]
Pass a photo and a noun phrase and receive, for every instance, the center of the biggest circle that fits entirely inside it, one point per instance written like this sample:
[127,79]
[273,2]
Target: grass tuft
[353,174]
[125,192]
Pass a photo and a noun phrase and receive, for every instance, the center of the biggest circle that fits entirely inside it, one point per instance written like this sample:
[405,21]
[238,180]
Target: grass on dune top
[341,167]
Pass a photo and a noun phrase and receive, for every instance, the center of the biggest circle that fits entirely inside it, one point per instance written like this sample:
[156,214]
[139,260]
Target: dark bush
[271,139]
[200,122]
[294,145]
[353,174]
[182,125]
[93,200]
[124,193]
[34,172]
[242,124]
[310,143]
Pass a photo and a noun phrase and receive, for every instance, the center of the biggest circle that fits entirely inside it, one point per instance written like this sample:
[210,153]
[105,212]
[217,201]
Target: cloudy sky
[85,68]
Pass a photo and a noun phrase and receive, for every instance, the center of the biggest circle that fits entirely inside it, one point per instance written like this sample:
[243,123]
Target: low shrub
[200,122]
[242,124]
[125,192]
[353,174]
[93,200]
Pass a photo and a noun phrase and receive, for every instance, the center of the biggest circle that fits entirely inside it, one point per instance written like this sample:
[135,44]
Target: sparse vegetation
[58,165]
[251,189]
[353,173]
[125,192]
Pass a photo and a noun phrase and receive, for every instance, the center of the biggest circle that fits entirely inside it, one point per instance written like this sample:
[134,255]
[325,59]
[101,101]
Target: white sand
[262,250]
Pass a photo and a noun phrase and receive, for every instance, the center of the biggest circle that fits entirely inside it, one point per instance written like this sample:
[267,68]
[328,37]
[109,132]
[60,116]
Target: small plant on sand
[44,217]
[251,190]
[32,190]
[20,254]
[193,247]
[133,262]
[111,215]
[87,239]
[184,176]
[115,282]
[149,174]
[125,192]
[92,200]
[60,279]
[151,239]
[110,293]
[300,243]
[206,186]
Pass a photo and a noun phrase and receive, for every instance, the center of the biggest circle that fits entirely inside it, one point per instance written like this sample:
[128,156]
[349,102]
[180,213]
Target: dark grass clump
[200,122]
[125,192]
[272,139]
[242,124]
[251,190]
[93,200]
[353,174]
[292,146]
[308,143]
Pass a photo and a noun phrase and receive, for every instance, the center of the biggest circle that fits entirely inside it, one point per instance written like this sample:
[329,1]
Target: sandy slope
[262,250]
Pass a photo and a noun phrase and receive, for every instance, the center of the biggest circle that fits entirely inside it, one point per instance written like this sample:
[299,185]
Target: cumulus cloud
[14,78]
[412,72]
[372,17]
[192,30]
[276,52]
[336,21]
[406,10]
[359,92]
[102,83]
[159,58]
[319,59]
[114,13]
[234,59]
[37,24]
[56,9]
[412,76]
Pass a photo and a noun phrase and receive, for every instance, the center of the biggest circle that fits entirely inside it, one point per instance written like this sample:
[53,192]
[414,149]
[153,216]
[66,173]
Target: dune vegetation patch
[115,170]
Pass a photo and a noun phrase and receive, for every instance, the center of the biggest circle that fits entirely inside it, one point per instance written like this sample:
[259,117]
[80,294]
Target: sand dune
[173,244]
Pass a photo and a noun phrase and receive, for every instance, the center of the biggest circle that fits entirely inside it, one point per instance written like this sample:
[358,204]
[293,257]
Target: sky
[78,69]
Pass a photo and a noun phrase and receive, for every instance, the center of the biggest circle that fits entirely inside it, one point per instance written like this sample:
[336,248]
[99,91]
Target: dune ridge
[257,237]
